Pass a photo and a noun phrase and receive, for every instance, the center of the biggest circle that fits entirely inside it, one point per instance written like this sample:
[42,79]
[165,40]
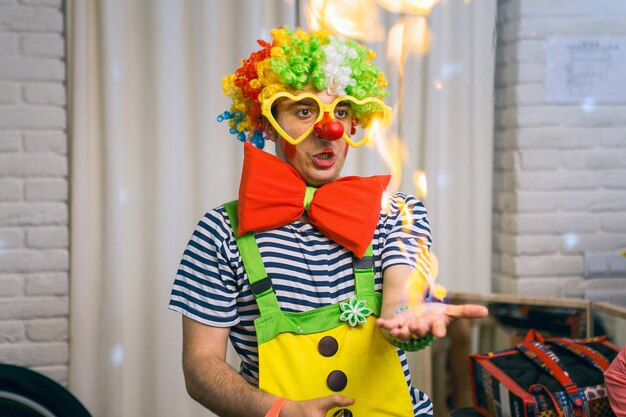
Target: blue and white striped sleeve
[206,287]
[407,239]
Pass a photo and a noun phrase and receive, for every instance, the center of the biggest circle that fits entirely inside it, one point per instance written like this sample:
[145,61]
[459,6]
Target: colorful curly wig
[293,61]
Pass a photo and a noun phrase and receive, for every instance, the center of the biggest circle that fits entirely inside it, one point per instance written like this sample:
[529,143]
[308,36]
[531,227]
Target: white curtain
[457,110]
[148,159]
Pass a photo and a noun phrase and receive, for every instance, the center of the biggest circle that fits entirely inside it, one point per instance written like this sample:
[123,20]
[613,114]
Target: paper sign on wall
[580,69]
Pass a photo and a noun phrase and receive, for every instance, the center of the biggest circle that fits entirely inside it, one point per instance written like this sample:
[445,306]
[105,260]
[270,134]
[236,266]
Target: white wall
[560,170]
[33,187]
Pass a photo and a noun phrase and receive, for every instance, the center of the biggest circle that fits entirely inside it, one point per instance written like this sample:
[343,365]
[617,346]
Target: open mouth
[324,159]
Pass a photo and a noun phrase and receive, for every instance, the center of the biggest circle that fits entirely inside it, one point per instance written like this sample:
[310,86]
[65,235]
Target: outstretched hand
[317,407]
[434,318]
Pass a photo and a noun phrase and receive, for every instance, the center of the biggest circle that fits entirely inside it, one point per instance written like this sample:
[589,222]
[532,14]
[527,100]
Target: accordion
[558,377]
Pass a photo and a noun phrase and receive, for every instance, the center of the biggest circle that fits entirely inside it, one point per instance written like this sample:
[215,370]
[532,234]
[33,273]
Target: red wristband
[276,407]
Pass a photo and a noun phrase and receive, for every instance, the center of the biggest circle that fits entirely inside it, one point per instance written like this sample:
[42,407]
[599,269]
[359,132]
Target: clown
[304,274]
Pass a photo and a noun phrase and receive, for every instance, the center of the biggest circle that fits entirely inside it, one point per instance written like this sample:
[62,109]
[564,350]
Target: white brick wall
[560,180]
[34,254]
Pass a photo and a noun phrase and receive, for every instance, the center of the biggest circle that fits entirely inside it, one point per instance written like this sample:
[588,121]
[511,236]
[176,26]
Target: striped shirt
[307,270]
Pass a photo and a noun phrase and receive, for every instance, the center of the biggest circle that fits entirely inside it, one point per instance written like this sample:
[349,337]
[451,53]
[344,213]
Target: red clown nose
[329,129]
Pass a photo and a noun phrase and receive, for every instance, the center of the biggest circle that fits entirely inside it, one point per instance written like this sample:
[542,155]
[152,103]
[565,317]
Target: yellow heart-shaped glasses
[300,113]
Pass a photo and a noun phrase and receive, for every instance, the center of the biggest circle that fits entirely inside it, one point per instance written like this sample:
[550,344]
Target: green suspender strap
[272,320]
[364,277]
[260,283]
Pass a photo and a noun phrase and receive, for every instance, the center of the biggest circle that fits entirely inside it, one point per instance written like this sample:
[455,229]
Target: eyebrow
[303,102]
[290,104]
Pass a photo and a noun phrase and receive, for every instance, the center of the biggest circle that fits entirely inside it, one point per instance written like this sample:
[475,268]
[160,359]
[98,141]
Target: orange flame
[422,278]
[357,19]
[394,154]
[421,185]
[409,35]
[422,7]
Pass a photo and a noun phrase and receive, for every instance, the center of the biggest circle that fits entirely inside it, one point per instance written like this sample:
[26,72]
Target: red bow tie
[272,194]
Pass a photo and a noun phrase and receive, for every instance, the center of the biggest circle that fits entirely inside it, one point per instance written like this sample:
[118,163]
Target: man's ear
[268,129]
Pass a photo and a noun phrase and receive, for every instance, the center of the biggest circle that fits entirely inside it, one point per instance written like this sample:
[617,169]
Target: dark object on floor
[26,393]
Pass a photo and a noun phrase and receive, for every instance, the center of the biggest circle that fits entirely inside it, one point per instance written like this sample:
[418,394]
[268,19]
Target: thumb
[333,401]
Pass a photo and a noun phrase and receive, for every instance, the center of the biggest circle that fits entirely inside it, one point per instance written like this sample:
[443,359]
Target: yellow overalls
[335,349]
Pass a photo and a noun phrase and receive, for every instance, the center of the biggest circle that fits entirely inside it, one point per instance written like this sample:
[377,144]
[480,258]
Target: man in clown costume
[306,273]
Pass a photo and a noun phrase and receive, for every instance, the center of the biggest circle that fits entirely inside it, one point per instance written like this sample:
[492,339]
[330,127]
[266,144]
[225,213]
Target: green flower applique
[354,311]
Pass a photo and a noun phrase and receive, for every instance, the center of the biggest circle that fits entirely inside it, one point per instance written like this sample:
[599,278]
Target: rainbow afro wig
[293,61]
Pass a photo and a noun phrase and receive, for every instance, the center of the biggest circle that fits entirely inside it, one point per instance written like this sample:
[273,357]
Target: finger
[420,328]
[402,333]
[391,323]
[439,327]
[386,324]
[468,311]
[336,400]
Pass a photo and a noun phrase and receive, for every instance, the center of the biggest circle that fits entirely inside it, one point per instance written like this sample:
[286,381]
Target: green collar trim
[308,197]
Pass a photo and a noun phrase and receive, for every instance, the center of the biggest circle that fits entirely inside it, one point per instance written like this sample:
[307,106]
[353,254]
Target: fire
[409,35]
[405,211]
[424,277]
[357,19]
[375,129]
[422,7]
[421,185]
[392,150]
